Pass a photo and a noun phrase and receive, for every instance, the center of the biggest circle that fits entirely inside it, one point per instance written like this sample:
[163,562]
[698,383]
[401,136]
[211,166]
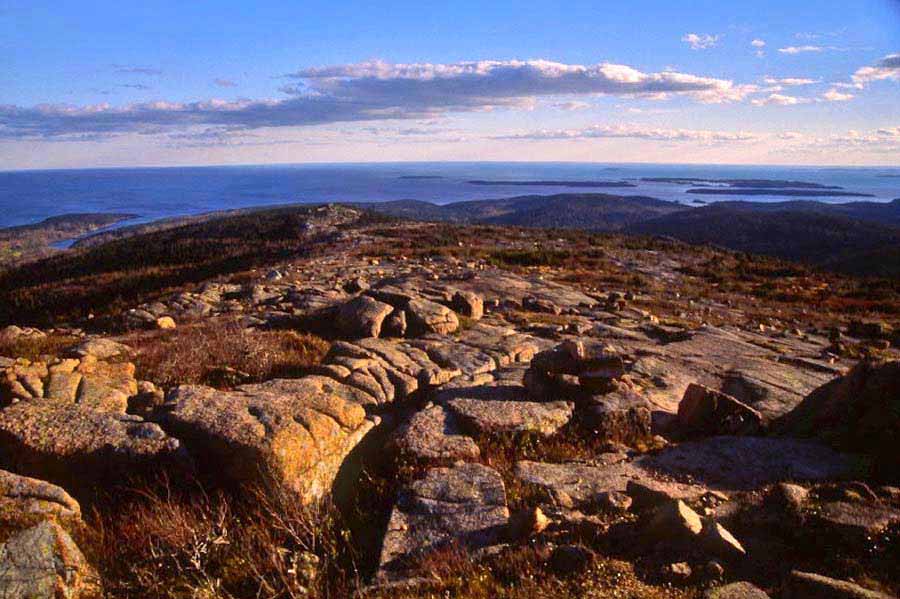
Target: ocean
[154,193]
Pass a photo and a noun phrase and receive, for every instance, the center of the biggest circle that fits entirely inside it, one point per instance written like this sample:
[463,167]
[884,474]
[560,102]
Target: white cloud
[224,82]
[790,81]
[372,91]
[800,49]
[758,43]
[833,95]
[700,41]
[779,100]
[886,68]
[572,106]
[635,132]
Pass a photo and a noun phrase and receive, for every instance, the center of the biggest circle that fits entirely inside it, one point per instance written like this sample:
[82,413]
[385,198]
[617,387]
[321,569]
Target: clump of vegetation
[220,352]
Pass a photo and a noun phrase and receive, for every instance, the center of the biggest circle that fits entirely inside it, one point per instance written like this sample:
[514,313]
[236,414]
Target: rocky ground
[477,423]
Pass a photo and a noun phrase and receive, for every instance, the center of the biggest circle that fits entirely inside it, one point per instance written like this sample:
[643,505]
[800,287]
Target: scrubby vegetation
[221,353]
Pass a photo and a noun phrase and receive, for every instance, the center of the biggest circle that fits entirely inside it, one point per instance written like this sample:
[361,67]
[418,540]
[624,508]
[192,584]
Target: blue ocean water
[154,193]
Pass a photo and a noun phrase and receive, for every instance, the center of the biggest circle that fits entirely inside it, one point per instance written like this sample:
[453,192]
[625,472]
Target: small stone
[528,523]
[677,572]
[713,570]
[719,541]
[789,497]
[673,520]
[165,322]
[614,501]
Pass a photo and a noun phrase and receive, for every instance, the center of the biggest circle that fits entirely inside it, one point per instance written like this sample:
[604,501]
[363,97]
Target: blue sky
[169,83]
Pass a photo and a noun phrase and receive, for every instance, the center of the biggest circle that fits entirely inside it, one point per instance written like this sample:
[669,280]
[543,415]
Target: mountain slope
[824,237]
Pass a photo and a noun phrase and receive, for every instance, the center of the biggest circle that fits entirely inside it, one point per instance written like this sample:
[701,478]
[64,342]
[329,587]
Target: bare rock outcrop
[288,433]
[858,412]
[80,448]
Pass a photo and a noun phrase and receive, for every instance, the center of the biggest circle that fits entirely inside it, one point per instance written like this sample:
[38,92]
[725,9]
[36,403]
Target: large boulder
[710,412]
[285,433]
[362,317]
[79,448]
[858,412]
[621,416]
[44,562]
[464,504]
[803,585]
[425,316]
[433,434]
[468,304]
[492,416]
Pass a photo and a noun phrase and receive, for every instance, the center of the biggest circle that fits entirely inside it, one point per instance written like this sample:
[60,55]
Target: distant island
[775,191]
[555,183]
[419,177]
[742,183]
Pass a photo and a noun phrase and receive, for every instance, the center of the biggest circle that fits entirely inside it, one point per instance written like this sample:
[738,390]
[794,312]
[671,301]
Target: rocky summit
[356,404]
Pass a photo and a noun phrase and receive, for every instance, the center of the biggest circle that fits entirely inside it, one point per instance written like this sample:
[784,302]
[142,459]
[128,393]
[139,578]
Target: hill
[843,237]
[591,211]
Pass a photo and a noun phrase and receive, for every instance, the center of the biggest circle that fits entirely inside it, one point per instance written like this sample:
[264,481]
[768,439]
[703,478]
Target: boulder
[717,540]
[858,412]
[362,317]
[79,448]
[425,316]
[854,522]
[622,416]
[468,304]
[44,561]
[465,504]
[709,412]
[491,417]
[672,521]
[805,585]
[100,348]
[433,434]
[736,590]
[25,501]
[295,437]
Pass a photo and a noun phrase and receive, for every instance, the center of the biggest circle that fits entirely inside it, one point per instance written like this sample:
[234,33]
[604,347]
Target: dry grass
[168,544]
[32,348]
[221,353]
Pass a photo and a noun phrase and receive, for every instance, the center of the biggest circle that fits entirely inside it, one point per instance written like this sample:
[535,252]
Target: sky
[102,84]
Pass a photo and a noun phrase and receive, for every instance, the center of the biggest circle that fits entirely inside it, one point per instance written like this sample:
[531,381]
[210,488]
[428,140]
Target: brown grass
[221,353]
[168,544]
[32,348]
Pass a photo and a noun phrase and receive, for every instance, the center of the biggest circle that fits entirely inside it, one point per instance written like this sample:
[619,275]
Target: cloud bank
[370,91]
